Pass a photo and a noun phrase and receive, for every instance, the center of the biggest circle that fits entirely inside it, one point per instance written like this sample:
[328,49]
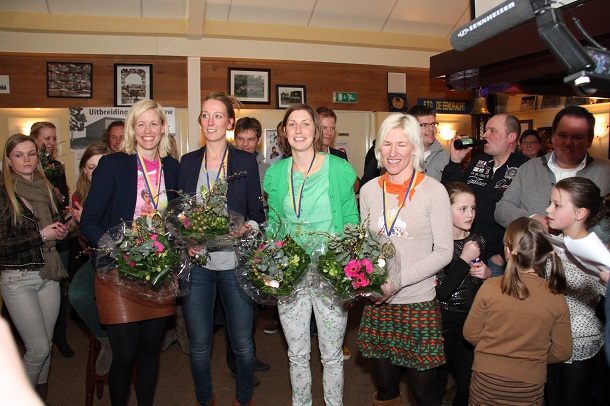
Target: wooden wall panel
[322,79]
[29,86]
[28,81]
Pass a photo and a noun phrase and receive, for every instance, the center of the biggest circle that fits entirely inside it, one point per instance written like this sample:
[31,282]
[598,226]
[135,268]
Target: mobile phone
[65,220]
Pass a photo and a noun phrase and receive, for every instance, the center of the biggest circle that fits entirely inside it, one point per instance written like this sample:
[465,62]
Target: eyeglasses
[427,125]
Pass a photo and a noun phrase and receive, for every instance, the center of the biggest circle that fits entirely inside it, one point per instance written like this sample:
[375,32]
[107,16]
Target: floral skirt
[409,335]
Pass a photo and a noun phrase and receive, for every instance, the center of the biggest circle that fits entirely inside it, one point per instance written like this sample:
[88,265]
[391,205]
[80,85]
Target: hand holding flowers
[273,270]
[356,263]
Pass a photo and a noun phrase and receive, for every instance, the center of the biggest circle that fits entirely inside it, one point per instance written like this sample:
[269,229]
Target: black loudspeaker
[397,102]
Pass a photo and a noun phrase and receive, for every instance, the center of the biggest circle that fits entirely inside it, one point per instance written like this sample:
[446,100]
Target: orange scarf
[400,189]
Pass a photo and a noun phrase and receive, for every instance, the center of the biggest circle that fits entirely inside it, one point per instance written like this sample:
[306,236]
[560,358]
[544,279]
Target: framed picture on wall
[250,86]
[69,79]
[526,125]
[289,94]
[132,83]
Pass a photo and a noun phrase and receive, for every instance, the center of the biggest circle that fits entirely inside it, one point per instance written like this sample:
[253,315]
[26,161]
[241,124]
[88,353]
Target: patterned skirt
[409,335]
[488,389]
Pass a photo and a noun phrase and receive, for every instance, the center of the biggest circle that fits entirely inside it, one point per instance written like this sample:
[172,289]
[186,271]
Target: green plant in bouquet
[201,219]
[144,251]
[52,169]
[277,265]
[356,262]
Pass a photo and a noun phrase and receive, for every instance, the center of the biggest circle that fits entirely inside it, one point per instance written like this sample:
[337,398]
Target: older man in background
[489,175]
[530,191]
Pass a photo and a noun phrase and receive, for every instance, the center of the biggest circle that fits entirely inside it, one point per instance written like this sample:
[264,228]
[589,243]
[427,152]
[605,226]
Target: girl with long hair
[82,287]
[576,206]
[458,284]
[30,265]
[519,322]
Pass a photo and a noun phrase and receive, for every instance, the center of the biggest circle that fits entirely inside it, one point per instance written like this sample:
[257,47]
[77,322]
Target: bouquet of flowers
[356,263]
[271,268]
[52,169]
[203,220]
[140,261]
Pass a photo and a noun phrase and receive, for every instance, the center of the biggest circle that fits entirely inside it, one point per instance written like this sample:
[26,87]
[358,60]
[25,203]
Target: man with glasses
[489,175]
[435,157]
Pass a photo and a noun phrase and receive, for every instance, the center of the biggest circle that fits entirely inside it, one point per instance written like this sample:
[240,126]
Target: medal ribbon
[388,230]
[296,205]
[222,166]
[154,198]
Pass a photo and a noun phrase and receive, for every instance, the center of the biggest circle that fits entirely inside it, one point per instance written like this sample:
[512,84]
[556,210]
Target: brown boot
[210,403]
[391,402]
[250,403]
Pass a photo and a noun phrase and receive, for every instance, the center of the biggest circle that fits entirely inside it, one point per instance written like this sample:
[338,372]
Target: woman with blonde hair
[135,329]
[402,332]
[31,268]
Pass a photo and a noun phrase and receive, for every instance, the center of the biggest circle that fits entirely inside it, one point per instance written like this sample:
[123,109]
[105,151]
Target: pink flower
[153,236]
[187,223]
[367,264]
[256,260]
[361,281]
[132,264]
[352,268]
[279,243]
[262,247]
[159,246]
[125,257]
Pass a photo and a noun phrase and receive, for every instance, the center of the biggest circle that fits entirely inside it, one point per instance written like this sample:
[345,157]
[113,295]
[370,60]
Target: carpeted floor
[175,387]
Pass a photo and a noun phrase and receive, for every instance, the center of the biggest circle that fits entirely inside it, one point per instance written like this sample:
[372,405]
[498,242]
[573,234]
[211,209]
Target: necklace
[296,203]
[220,167]
[392,222]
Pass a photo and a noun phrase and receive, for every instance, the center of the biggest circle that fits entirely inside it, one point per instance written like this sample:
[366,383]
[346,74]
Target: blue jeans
[496,270]
[33,304]
[199,312]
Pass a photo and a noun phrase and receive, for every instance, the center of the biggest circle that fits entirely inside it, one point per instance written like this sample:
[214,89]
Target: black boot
[59,331]
[42,389]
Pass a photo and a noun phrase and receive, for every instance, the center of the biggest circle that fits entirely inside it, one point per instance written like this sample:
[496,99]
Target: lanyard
[154,198]
[220,168]
[296,205]
[388,230]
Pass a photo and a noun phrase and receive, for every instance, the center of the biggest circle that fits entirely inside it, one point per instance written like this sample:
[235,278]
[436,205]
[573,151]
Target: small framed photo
[528,103]
[289,94]
[69,79]
[526,125]
[132,83]
[250,86]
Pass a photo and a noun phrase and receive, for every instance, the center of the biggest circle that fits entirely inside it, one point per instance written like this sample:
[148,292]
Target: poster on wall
[87,124]
[273,150]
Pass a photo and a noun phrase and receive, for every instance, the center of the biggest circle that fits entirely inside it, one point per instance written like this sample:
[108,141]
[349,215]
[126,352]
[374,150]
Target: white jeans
[33,304]
[331,320]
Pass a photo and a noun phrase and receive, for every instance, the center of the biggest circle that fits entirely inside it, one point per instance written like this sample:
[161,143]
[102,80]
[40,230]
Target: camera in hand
[463,143]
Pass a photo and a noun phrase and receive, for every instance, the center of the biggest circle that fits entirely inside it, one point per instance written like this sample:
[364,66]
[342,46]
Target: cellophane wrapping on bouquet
[357,263]
[271,268]
[203,221]
[139,261]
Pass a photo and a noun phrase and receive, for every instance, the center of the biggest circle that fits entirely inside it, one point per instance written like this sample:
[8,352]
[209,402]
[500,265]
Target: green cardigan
[340,191]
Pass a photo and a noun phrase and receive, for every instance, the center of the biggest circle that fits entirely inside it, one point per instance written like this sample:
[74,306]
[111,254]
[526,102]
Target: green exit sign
[345,97]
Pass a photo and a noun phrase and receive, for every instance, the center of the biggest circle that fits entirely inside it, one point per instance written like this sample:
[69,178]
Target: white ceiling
[429,18]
